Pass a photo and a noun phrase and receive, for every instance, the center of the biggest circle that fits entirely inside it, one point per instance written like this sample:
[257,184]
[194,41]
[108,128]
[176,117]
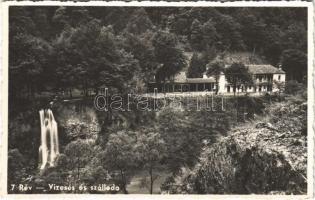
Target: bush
[294,87]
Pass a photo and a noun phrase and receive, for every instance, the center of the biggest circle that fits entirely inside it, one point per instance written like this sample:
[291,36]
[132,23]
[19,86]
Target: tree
[167,53]
[294,63]
[215,69]
[16,170]
[293,87]
[273,44]
[119,156]
[79,165]
[253,30]
[295,37]
[139,22]
[209,33]
[43,28]
[28,58]
[79,15]
[229,35]
[70,17]
[196,67]
[143,51]
[91,54]
[151,150]
[196,34]
[67,77]
[29,54]
[280,88]
[237,74]
[181,138]
[179,25]
[60,18]
[78,154]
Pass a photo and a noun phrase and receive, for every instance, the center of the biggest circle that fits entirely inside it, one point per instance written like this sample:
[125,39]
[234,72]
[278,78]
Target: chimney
[280,66]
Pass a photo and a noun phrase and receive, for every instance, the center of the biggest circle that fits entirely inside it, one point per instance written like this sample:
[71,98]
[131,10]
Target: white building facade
[266,79]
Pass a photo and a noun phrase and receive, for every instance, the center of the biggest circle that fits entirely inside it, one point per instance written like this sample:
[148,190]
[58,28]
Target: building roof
[200,80]
[264,69]
[253,69]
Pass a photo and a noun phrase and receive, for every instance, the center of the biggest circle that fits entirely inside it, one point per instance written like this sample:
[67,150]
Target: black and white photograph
[209,100]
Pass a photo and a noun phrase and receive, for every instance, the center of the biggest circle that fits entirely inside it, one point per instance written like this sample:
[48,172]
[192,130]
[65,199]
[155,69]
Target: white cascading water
[49,137]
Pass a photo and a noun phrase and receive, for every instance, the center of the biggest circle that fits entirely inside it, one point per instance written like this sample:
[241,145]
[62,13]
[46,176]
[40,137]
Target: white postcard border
[4,95]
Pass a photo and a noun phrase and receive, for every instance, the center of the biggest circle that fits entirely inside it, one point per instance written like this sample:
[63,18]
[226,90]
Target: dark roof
[193,80]
[264,69]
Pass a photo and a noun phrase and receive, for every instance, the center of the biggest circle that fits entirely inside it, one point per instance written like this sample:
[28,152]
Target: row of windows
[266,77]
[259,88]
[190,87]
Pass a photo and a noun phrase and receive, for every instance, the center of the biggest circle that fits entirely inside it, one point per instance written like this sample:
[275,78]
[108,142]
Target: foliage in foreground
[269,157]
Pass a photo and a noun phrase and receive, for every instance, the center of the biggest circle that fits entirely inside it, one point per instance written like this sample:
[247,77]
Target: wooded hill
[62,48]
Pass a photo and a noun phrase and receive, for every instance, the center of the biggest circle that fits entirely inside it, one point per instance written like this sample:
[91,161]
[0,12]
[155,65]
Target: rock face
[268,155]
[77,121]
[75,129]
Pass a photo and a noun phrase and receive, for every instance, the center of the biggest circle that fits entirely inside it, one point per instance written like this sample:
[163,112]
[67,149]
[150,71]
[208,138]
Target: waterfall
[49,148]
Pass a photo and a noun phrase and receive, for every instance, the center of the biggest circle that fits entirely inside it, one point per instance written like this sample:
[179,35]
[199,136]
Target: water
[49,148]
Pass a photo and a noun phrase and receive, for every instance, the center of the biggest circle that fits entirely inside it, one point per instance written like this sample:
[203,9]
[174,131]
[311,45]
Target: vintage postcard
[143,99]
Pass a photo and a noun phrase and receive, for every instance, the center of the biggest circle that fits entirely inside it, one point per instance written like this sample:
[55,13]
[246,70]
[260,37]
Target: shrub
[294,87]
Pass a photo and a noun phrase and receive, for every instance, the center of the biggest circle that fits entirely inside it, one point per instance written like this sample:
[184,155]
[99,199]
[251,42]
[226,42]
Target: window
[250,87]
[279,77]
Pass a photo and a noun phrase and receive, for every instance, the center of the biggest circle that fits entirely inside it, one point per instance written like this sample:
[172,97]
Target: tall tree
[215,69]
[295,37]
[150,150]
[143,51]
[196,67]
[253,31]
[237,74]
[139,22]
[119,155]
[29,54]
[273,46]
[167,53]
[196,34]
[78,154]
[229,35]
[180,137]
[16,166]
[27,61]
[294,63]
[209,33]
[60,19]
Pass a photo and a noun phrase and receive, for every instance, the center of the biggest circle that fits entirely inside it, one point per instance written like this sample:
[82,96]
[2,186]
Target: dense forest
[57,50]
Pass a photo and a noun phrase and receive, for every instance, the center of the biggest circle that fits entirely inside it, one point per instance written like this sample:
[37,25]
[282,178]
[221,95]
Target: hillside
[68,48]
[267,155]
